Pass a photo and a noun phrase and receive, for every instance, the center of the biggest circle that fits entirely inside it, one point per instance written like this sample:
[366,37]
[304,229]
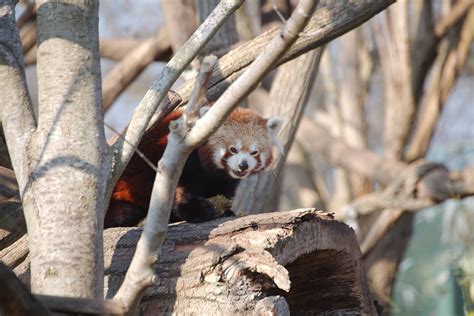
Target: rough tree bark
[240,266]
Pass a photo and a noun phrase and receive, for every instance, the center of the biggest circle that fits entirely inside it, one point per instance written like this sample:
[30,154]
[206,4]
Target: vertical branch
[140,274]
[353,93]
[342,192]
[399,101]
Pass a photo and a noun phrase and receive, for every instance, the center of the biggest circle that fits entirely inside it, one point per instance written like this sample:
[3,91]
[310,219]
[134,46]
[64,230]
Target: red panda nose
[243,165]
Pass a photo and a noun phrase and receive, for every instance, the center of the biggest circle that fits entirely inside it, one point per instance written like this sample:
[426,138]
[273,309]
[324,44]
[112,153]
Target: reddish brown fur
[200,179]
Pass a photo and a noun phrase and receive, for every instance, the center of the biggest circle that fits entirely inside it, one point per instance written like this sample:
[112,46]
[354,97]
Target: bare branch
[379,228]
[117,49]
[193,106]
[140,275]
[123,74]
[122,152]
[392,41]
[362,162]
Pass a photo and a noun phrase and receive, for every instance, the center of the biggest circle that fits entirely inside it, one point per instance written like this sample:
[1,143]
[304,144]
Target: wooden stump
[263,264]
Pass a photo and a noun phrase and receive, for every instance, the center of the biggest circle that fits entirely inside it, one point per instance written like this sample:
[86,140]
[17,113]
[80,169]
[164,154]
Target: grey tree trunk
[64,198]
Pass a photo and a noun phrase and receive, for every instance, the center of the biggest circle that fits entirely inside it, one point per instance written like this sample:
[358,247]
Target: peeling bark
[235,266]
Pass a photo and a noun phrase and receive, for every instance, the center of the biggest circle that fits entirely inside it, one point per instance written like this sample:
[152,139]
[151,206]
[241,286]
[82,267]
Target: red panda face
[243,145]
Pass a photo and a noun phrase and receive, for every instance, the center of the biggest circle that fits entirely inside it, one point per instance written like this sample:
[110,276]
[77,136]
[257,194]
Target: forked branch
[141,274]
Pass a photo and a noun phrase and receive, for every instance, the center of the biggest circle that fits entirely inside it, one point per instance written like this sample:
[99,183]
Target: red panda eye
[233,150]
[254,153]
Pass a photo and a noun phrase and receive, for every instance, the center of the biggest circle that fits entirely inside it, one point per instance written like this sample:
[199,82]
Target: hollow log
[303,261]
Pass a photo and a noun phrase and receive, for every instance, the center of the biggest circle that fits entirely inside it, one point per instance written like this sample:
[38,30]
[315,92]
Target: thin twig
[138,151]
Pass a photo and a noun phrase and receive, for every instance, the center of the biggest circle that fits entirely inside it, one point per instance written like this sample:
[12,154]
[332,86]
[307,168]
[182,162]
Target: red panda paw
[197,210]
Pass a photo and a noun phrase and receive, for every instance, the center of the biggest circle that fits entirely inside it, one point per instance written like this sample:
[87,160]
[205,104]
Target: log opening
[231,266]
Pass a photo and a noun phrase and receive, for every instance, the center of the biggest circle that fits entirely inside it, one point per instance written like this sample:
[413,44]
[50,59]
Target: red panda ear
[203,110]
[273,126]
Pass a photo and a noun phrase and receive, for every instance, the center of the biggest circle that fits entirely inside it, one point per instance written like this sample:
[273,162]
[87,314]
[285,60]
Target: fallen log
[302,258]
[303,261]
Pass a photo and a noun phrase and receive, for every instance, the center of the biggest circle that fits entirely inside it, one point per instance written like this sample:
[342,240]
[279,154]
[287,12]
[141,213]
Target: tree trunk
[64,198]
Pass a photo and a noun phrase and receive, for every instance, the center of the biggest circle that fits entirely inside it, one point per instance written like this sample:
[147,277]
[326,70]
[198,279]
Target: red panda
[240,147]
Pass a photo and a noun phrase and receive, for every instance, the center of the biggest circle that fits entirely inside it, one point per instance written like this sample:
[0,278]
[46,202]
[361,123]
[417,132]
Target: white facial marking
[263,161]
[218,154]
[238,144]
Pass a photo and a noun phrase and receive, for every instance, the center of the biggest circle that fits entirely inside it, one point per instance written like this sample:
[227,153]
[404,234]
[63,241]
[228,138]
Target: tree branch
[359,161]
[325,25]
[456,14]
[452,55]
[392,41]
[140,275]
[117,49]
